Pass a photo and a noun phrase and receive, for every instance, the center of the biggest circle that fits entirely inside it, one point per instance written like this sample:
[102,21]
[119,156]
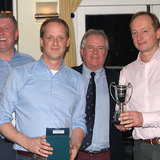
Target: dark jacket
[116,139]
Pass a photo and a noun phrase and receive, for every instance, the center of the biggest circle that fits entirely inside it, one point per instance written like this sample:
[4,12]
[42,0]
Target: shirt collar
[16,54]
[87,71]
[46,69]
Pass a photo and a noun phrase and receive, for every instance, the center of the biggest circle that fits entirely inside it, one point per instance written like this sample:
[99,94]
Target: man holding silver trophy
[144,74]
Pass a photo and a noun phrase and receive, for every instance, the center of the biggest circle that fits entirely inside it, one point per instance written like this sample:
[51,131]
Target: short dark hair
[58,20]
[10,16]
[155,24]
[94,32]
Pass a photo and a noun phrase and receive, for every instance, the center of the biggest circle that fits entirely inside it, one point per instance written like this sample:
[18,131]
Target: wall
[118,2]
[29,41]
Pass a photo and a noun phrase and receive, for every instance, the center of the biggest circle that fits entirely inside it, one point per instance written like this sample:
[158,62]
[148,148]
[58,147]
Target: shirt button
[51,107]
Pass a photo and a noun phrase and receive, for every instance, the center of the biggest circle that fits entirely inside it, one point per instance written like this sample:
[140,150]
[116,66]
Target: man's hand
[39,146]
[131,119]
[36,145]
[73,152]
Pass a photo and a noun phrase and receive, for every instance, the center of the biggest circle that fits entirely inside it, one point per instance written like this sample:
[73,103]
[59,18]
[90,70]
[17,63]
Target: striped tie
[90,111]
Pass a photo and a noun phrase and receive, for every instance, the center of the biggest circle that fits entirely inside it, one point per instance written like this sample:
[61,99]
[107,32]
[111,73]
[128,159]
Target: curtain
[66,7]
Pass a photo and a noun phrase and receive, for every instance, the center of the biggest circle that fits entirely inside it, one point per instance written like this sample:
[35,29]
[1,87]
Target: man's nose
[1,31]
[55,41]
[95,50]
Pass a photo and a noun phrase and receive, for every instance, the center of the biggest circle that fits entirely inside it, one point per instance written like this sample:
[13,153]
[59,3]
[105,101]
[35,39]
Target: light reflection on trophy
[121,95]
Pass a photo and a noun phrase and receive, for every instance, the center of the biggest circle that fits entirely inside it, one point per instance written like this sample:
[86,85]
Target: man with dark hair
[44,94]
[9,59]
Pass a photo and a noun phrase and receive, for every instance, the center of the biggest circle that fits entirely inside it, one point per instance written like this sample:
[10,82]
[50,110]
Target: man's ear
[16,35]
[68,42]
[158,33]
[81,52]
[41,42]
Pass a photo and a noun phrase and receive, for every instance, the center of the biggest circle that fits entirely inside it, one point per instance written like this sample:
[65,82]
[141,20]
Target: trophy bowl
[121,94]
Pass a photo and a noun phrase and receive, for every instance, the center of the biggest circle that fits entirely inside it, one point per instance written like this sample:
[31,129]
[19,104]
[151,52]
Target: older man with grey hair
[103,141]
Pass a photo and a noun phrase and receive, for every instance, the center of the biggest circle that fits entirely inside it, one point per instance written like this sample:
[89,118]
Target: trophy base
[116,122]
[115,119]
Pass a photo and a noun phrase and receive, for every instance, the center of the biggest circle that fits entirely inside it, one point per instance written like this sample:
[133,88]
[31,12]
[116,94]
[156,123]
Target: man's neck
[53,64]
[147,56]
[6,56]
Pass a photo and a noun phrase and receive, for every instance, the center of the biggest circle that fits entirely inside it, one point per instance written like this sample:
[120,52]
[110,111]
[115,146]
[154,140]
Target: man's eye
[60,38]
[49,38]
[100,48]
[90,47]
[134,33]
[6,28]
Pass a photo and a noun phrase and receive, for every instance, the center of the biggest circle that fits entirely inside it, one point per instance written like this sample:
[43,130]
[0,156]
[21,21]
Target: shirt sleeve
[78,117]
[151,119]
[8,99]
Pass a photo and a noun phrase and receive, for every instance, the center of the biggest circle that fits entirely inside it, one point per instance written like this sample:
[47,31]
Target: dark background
[116,27]
[6,5]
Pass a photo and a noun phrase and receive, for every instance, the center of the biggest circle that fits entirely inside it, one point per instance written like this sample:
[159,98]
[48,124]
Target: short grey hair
[94,32]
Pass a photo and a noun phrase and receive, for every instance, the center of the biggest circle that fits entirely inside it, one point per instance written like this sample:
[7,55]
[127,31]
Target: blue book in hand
[59,140]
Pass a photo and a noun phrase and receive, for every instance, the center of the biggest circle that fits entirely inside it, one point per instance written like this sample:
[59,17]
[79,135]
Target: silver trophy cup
[121,95]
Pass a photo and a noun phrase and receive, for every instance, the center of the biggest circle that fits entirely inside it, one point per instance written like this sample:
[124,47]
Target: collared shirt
[100,139]
[42,100]
[17,60]
[145,78]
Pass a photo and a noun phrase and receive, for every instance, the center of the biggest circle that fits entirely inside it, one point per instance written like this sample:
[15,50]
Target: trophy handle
[112,84]
[129,86]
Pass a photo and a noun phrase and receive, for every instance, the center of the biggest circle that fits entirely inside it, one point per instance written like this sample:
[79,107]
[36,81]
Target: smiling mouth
[141,43]
[3,39]
[95,58]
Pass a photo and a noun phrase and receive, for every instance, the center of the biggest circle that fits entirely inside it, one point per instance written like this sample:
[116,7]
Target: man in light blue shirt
[9,59]
[44,94]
